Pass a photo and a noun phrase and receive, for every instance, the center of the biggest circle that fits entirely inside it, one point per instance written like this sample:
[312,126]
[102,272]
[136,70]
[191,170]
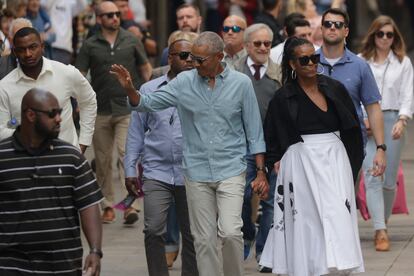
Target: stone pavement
[124,253]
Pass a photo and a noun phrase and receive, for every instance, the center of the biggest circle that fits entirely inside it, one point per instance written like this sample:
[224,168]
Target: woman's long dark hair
[289,54]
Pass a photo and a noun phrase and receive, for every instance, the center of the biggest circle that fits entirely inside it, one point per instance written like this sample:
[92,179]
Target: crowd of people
[281,115]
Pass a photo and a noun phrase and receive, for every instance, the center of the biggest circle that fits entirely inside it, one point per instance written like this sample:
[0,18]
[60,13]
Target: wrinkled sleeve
[135,142]
[369,90]
[406,94]
[5,115]
[252,121]
[86,98]
[271,131]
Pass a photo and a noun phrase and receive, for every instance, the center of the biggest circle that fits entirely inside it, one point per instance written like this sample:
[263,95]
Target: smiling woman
[314,140]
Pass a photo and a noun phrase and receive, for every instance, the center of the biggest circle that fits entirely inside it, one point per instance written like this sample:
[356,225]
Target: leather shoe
[171,257]
[108,215]
[382,242]
[130,216]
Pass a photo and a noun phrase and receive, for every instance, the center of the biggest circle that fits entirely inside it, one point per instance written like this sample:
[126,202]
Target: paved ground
[124,253]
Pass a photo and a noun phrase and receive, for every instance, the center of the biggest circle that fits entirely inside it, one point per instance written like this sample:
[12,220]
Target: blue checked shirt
[156,139]
[217,124]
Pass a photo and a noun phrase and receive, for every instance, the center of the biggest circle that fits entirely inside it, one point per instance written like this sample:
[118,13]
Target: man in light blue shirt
[156,138]
[219,116]
[355,74]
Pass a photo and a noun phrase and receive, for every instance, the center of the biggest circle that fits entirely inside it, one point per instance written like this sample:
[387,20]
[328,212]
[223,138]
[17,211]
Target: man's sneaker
[108,215]
[130,216]
[264,269]
[248,246]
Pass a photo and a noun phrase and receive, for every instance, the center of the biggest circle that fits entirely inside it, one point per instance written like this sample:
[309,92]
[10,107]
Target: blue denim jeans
[380,191]
[249,228]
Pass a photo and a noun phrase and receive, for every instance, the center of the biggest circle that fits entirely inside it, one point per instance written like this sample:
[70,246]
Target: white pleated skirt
[315,229]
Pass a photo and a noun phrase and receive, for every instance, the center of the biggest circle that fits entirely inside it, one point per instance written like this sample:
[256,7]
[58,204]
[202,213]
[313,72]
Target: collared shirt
[42,192]
[263,68]
[395,83]
[355,74]
[98,55]
[156,138]
[231,60]
[216,123]
[63,81]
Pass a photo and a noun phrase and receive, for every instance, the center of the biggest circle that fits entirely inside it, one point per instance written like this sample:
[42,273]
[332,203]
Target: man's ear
[30,115]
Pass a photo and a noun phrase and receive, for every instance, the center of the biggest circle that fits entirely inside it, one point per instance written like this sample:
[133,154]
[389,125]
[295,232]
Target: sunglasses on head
[235,29]
[50,113]
[181,55]
[259,43]
[381,34]
[338,24]
[304,60]
[111,14]
[199,60]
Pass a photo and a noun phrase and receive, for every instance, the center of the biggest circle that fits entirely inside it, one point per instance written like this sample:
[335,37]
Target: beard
[44,131]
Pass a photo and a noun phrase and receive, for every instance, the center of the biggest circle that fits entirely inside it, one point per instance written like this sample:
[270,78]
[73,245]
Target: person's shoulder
[63,147]
[6,144]
[152,85]
[9,78]
[125,34]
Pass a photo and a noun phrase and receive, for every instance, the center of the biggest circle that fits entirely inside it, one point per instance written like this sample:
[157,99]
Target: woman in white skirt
[384,50]
[314,139]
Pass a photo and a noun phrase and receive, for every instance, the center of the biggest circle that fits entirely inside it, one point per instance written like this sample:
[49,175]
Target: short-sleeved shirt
[356,75]
[98,55]
[42,192]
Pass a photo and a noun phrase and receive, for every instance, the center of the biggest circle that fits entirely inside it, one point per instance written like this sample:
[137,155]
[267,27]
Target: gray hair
[21,23]
[212,40]
[254,28]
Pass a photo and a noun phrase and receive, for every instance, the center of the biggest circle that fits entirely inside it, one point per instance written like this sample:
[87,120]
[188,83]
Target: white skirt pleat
[315,229]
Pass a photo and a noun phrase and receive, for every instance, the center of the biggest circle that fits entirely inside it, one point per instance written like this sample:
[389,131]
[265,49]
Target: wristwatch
[96,251]
[261,168]
[382,146]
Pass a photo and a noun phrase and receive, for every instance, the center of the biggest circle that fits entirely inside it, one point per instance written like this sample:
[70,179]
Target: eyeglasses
[338,24]
[182,55]
[304,60]
[235,29]
[50,113]
[199,60]
[259,43]
[381,34]
[111,14]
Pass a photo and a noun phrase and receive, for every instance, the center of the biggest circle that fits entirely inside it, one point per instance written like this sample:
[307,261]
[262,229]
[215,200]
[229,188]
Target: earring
[320,72]
[293,74]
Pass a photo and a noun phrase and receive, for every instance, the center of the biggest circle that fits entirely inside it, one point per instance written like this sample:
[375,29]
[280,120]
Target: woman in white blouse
[384,50]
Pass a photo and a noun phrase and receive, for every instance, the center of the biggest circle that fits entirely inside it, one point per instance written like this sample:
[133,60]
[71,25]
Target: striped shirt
[41,194]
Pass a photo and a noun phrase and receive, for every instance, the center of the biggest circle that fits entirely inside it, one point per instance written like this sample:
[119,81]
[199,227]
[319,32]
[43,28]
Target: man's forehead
[199,50]
[186,11]
[303,30]
[27,39]
[334,17]
[182,45]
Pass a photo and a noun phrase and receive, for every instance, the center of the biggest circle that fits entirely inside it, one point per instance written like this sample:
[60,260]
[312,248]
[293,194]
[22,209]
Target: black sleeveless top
[312,120]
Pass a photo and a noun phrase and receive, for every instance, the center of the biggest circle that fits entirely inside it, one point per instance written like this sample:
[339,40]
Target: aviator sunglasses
[338,24]
[381,34]
[181,55]
[259,43]
[304,60]
[111,14]
[235,29]
[50,113]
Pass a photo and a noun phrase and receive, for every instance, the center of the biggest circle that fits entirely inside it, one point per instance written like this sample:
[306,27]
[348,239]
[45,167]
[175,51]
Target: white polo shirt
[63,81]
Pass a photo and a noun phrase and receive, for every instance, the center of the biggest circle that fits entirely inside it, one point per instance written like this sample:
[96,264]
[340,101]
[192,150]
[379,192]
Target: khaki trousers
[215,210]
[109,130]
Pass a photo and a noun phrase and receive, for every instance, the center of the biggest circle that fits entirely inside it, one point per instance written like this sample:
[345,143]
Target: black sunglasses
[304,60]
[181,55]
[235,29]
[111,14]
[338,24]
[199,60]
[259,43]
[50,113]
[380,34]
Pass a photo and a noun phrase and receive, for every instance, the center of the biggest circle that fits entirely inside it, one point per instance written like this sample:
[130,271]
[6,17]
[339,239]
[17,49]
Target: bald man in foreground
[47,189]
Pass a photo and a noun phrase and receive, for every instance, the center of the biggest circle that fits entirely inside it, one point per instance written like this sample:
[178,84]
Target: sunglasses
[381,34]
[199,60]
[111,14]
[304,60]
[259,43]
[338,24]
[182,55]
[50,113]
[235,29]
